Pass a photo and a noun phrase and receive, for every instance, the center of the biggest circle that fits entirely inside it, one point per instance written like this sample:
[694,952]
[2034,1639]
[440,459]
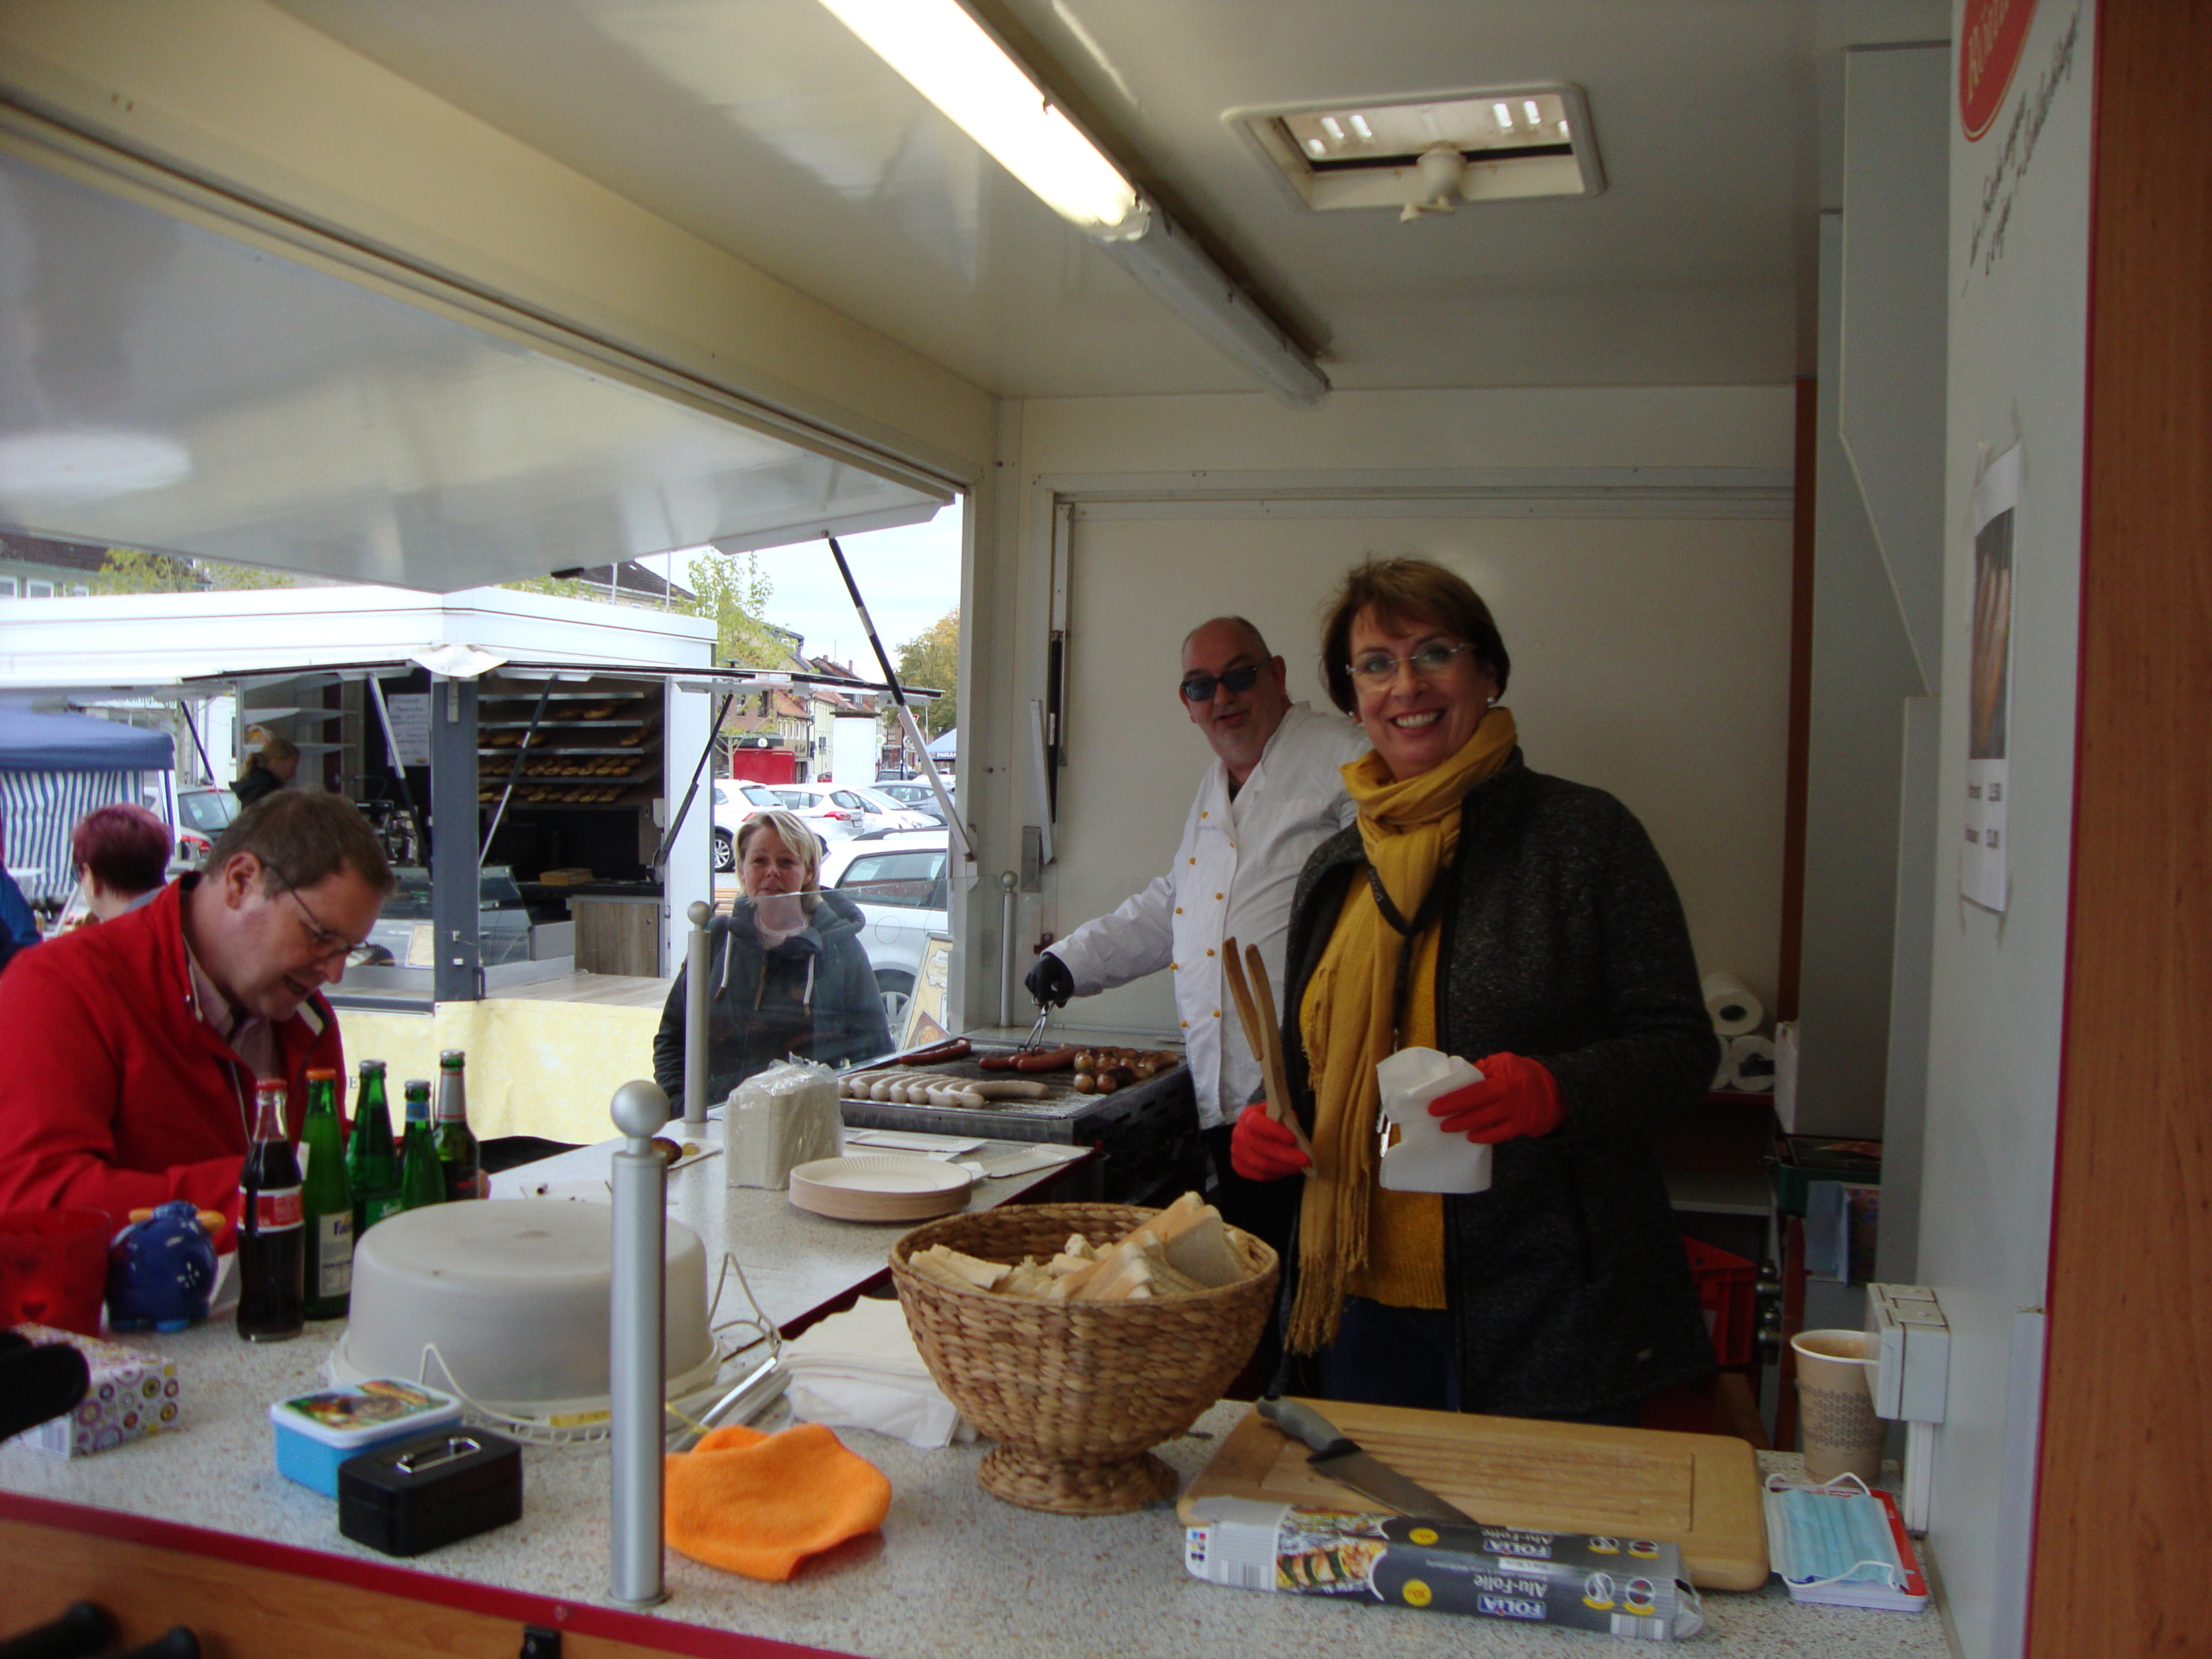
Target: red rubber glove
[1516,1098]
[1260,1149]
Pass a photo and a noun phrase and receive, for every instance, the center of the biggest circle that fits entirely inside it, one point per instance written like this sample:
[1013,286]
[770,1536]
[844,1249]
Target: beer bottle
[325,1202]
[421,1180]
[371,1162]
[457,1146]
[271,1248]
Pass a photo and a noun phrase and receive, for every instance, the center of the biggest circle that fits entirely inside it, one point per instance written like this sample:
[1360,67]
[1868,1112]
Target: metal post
[456,878]
[398,771]
[675,819]
[694,1015]
[1007,880]
[521,754]
[638,1376]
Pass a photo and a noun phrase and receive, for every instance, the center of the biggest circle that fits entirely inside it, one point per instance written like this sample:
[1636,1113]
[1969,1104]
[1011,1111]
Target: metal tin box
[432,1491]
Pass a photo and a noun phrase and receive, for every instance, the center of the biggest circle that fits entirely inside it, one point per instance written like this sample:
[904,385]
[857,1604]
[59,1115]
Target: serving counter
[196,1527]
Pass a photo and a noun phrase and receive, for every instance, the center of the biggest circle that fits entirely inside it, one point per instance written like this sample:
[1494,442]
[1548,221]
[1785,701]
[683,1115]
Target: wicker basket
[1077,1393]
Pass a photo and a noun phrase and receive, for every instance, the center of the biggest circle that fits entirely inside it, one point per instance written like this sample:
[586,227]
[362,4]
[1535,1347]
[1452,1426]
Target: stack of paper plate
[883,1186]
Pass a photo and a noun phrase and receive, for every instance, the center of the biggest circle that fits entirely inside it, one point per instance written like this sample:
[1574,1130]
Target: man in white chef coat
[1272,794]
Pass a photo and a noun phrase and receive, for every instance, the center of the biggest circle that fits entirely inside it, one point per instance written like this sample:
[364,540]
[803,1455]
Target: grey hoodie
[814,996]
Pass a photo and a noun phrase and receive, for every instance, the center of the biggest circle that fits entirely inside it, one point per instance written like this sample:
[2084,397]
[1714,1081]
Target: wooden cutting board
[1700,1491]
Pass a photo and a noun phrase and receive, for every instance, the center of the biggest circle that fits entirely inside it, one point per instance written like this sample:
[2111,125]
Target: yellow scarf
[1410,830]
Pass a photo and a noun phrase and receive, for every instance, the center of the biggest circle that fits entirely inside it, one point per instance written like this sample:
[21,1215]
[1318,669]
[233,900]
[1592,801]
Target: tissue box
[133,1394]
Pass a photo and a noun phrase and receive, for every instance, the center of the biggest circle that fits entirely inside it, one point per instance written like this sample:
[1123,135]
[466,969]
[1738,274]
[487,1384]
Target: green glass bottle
[325,1202]
[371,1160]
[422,1179]
[456,1144]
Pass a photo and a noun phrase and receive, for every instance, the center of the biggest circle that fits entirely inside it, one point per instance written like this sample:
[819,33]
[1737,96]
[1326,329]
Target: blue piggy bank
[160,1270]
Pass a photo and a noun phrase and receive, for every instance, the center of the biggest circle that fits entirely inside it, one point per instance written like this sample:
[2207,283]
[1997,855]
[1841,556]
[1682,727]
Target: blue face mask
[1839,1538]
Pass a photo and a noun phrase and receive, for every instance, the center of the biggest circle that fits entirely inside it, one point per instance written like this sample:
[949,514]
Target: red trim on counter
[616,1624]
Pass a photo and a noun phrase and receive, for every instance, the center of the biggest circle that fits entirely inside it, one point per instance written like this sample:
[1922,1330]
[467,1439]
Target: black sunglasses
[1199,687]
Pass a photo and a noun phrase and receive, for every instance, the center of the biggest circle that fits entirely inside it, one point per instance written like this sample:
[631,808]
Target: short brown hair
[302,835]
[1405,591]
[125,847]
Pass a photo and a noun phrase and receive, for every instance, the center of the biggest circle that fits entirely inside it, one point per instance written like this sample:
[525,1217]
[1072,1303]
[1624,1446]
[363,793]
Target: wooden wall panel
[301,1605]
[2125,1504]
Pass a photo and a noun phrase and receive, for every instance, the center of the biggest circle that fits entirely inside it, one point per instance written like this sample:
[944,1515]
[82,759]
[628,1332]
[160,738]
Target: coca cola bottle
[272,1243]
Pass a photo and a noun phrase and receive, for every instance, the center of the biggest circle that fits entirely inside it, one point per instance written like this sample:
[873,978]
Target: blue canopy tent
[55,768]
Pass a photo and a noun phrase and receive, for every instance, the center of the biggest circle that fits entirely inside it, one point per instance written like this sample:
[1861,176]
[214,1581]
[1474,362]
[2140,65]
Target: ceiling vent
[1426,155]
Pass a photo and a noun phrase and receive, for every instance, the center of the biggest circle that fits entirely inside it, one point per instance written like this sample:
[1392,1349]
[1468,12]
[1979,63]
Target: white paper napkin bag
[1426,1158]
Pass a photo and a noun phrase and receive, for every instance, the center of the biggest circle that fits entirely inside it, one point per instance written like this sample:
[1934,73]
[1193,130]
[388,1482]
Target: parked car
[916,796]
[202,814]
[898,879]
[838,811]
[736,799]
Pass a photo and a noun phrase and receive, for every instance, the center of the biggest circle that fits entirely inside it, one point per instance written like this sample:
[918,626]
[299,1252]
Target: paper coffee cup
[1835,1405]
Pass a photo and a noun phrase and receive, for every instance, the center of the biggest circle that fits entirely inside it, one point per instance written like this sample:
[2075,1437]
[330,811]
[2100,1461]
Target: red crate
[1726,1287]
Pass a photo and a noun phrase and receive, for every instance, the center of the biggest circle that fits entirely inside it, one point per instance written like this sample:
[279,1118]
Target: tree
[733,590]
[128,570]
[931,658]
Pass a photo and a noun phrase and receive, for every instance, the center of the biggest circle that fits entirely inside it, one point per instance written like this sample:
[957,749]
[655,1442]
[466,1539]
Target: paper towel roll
[1734,1009]
[1751,1060]
[1724,1076]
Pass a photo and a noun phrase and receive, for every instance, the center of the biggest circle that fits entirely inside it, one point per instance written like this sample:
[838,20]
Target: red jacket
[113,1094]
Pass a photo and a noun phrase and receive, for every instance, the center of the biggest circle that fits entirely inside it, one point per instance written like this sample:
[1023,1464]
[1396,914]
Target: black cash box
[423,1494]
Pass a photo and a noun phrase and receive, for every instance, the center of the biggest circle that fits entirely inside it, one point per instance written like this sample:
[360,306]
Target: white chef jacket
[1234,877]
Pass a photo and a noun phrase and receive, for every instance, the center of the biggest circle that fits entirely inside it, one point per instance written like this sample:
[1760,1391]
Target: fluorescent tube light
[949,58]
[953,61]
[1165,260]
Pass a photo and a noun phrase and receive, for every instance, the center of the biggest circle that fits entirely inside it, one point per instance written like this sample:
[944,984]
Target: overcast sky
[909,578]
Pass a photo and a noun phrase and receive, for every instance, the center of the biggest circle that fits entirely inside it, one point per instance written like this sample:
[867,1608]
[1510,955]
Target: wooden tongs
[1255,1008]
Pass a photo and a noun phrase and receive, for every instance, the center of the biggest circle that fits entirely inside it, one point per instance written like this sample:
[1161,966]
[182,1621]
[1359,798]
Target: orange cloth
[759,1504]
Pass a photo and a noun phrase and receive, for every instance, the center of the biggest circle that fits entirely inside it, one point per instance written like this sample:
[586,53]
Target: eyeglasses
[1380,667]
[327,944]
[1199,687]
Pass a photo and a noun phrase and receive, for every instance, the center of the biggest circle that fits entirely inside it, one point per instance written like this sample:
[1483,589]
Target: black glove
[1049,982]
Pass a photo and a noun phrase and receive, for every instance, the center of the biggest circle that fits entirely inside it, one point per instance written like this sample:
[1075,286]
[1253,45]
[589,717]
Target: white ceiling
[763,126]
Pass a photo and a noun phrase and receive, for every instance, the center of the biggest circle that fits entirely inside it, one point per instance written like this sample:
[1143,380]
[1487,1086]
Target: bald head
[1237,718]
[1238,634]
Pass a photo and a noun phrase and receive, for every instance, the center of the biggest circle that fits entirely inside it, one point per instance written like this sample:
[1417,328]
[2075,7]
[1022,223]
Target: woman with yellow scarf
[1525,923]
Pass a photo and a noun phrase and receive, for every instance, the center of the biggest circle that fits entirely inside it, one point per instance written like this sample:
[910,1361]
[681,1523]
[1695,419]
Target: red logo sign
[1989,51]
[276,1210]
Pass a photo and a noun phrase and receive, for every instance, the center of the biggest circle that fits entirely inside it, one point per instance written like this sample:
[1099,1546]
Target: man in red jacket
[129,1051]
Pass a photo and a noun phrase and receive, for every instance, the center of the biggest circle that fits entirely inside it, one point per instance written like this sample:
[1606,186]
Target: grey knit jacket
[1562,940]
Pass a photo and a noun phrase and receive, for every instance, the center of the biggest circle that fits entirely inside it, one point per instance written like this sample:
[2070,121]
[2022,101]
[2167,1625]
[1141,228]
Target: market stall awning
[37,742]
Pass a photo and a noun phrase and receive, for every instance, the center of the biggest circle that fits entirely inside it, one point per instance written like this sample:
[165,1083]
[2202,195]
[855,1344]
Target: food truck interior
[1704,345]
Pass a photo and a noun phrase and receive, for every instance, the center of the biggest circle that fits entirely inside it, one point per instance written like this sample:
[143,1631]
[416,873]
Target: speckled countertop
[955,1574]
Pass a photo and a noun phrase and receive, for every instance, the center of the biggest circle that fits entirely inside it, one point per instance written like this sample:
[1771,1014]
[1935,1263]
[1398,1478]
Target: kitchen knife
[1342,1460]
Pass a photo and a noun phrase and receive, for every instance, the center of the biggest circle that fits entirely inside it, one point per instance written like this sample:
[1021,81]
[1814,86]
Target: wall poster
[410,726]
[1989,689]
